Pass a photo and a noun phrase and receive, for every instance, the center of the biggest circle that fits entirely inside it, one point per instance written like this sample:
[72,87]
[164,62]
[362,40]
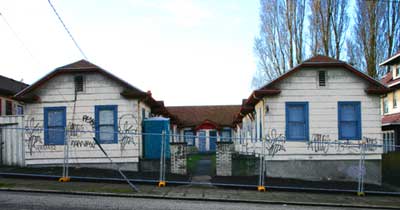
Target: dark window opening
[322,78]
[78,83]
[9,108]
[143,114]
[397,71]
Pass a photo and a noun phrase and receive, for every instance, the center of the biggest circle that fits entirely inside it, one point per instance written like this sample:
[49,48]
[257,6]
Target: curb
[149,196]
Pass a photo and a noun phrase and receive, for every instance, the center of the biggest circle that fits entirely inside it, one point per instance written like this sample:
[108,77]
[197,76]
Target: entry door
[213,139]
[54,125]
[202,141]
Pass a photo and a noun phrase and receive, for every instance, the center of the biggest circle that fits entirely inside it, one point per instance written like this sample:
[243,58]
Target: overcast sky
[187,52]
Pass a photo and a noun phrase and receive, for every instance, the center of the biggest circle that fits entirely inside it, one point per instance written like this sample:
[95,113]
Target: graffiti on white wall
[33,137]
[275,142]
[322,143]
[127,128]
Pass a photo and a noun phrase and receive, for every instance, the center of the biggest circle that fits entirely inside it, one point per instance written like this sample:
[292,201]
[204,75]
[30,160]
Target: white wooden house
[90,102]
[313,119]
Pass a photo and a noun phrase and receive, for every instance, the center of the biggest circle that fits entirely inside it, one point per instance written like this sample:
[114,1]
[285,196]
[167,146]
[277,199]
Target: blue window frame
[188,135]
[349,120]
[297,128]
[106,124]
[226,134]
[54,125]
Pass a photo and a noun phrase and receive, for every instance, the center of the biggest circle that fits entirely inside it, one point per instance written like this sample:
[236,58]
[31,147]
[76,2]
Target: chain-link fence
[269,163]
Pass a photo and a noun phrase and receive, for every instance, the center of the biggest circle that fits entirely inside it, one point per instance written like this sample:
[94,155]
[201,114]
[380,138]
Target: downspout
[139,124]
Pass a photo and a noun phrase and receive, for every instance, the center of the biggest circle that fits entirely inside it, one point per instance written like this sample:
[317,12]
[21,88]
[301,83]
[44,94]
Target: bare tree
[340,23]
[280,44]
[392,25]
[320,19]
[369,30]
[328,25]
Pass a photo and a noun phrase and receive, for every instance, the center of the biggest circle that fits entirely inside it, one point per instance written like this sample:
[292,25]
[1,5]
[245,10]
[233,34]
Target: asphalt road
[44,201]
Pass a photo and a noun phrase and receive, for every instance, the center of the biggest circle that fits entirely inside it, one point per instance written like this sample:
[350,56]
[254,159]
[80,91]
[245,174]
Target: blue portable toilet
[152,136]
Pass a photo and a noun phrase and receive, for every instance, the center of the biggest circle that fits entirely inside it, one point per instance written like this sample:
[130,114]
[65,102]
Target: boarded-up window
[189,137]
[106,124]
[349,114]
[54,125]
[297,121]
[226,134]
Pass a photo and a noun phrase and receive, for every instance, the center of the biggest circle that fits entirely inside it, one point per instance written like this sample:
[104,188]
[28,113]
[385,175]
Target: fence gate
[12,141]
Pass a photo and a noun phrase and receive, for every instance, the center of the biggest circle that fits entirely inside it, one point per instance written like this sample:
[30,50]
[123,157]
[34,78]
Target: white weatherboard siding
[302,86]
[98,90]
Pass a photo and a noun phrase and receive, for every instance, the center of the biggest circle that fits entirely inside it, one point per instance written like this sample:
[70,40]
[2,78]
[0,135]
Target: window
[385,105]
[106,124]
[20,110]
[297,121]
[397,69]
[54,125]
[9,110]
[1,107]
[322,78]
[189,137]
[79,80]
[143,114]
[394,100]
[349,114]
[226,134]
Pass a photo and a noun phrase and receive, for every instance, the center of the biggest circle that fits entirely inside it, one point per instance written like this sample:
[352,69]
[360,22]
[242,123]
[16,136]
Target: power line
[66,29]
[18,38]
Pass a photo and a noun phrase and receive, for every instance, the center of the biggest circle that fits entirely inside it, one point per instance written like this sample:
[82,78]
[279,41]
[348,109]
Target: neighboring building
[390,101]
[90,102]
[8,88]
[314,116]
[202,126]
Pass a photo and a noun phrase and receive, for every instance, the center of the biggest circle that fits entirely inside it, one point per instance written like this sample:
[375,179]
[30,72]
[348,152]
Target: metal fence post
[161,182]
[65,177]
[361,167]
[261,179]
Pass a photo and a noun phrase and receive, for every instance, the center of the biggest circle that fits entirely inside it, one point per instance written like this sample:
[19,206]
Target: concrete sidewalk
[203,193]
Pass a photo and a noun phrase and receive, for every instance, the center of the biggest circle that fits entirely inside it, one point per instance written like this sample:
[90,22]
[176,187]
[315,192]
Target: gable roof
[392,60]
[326,62]
[389,81]
[9,87]
[269,89]
[193,116]
[81,66]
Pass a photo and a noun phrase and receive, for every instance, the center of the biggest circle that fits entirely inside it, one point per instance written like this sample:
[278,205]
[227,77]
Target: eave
[377,91]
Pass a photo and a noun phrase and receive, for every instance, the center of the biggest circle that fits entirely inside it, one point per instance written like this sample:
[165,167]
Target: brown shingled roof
[192,116]
[81,66]
[322,59]
[9,87]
